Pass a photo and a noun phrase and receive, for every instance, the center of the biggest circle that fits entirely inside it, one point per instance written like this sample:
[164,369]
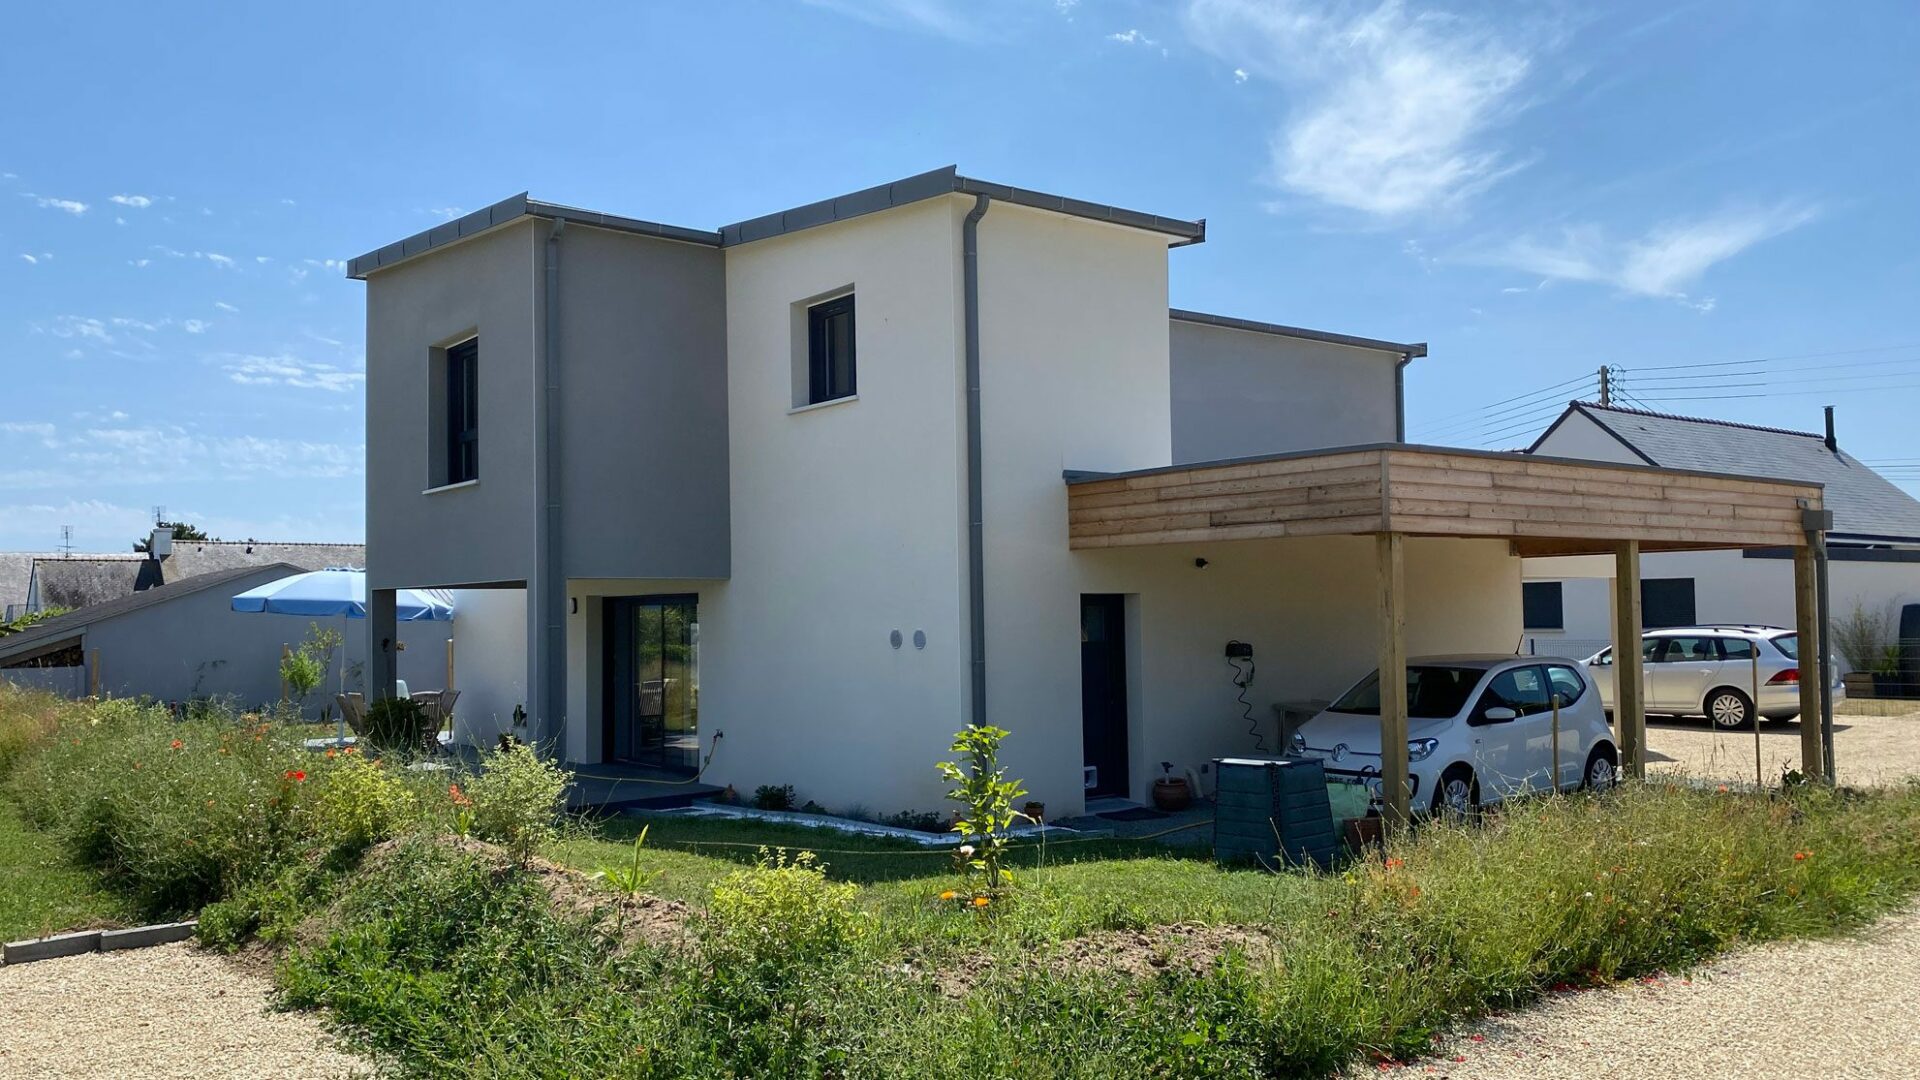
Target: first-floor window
[463,412]
[1541,606]
[830,361]
[1667,602]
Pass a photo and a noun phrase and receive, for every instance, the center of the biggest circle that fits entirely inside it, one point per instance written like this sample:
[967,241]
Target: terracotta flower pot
[1172,793]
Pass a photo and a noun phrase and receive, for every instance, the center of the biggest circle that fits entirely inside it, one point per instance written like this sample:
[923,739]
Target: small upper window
[463,412]
[1541,607]
[830,352]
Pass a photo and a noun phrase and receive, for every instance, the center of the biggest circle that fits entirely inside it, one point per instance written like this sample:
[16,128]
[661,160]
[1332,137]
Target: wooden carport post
[1393,679]
[1629,697]
[1806,620]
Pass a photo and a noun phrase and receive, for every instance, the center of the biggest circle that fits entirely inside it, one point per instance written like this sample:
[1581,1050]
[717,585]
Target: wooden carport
[1540,506]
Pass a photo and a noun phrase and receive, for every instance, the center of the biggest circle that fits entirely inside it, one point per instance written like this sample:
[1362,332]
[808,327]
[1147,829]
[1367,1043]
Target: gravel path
[169,1011]
[1869,749]
[1828,1009]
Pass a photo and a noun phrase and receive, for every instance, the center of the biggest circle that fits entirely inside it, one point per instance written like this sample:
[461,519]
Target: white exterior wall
[490,662]
[1075,375]
[847,523]
[1579,437]
[1727,588]
[1307,606]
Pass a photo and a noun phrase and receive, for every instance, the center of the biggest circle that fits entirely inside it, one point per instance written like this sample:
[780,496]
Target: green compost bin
[1272,809]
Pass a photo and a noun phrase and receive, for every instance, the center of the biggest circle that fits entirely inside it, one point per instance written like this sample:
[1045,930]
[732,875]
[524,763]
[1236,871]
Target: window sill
[450,487]
[829,403]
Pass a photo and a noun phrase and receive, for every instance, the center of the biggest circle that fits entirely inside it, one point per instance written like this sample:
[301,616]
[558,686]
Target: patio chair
[353,707]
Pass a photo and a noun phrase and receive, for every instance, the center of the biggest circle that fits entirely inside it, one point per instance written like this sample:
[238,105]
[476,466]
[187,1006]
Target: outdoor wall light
[1199,564]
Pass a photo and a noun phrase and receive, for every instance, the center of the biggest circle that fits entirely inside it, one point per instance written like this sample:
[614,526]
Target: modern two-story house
[798,497]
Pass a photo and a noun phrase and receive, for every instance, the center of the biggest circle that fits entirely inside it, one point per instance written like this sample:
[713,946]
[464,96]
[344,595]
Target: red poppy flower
[296,776]
[175,744]
[1801,856]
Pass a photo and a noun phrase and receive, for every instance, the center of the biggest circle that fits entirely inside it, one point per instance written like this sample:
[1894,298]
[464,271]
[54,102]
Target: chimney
[160,544]
[1833,444]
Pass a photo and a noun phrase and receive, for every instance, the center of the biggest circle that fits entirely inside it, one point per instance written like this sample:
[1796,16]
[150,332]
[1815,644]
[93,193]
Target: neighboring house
[1873,548]
[181,641]
[77,581]
[840,480]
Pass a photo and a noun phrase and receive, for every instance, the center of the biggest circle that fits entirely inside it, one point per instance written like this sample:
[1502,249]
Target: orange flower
[1394,864]
[948,895]
[330,753]
[459,797]
[980,901]
[347,750]
[175,744]
[1801,856]
[296,776]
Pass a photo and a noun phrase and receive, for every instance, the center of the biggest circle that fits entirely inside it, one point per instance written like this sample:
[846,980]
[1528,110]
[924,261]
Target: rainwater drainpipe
[550,595]
[1400,397]
[976,514]
[1816,523]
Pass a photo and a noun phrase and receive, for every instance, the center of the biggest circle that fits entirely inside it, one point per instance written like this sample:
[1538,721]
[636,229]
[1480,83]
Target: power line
[1785,393]
[1791,356]
[1516,397]
[1761,371]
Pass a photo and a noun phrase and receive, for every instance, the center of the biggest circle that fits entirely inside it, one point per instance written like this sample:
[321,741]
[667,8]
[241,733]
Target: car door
[1512,754]
[1602,674]
[1682,671]
[1570,689]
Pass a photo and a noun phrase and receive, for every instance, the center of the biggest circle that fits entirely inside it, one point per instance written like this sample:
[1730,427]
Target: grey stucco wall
[1237,393]
[482,532]
[195,645]
[643,417]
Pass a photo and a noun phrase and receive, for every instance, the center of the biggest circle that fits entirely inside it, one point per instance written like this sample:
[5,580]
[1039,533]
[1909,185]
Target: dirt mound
[1185,948]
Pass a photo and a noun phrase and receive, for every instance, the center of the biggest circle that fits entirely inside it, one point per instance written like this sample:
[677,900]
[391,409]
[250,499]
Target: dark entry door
[1103,691]
[652,682]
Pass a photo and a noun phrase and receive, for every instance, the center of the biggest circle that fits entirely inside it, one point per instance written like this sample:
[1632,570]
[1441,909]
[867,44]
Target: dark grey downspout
[976,513]
[1400,397]
[1826,656]
[552,615]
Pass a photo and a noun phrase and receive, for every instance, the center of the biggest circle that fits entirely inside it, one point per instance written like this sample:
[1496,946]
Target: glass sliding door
[652,691]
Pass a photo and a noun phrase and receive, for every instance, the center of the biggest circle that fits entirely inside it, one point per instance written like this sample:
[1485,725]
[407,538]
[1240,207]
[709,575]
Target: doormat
[1133,813]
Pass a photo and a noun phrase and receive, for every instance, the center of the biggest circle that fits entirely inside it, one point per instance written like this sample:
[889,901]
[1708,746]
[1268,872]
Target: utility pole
[1606,385]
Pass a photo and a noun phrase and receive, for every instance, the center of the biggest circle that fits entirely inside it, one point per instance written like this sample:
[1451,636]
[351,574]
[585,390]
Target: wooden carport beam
[1393,678]
[1629,699]
[1806,619]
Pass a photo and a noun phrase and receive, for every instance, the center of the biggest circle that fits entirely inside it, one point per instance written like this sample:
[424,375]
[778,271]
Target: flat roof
[1409,349]
[912,189]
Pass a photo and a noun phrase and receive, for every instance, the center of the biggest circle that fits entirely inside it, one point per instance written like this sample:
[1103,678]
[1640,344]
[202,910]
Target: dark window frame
[463,412]
[825,377]
[1533,599]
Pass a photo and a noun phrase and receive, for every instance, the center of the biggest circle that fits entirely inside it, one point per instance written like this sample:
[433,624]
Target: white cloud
[31,261]
[224,262]
[76,326]
[138,324]
[138,202]
[287,370]
[446,213]
[114,453]
[43,432]
[1662,262]
[1391,108]
[194,326]
[71,206]
[263,259]
[327,264]
[119,220]
[1239,75]
[224,306]
[1131,37]
[139,262]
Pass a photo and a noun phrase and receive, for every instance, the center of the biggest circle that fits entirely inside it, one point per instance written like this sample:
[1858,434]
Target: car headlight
[1421,749]
[1299,742]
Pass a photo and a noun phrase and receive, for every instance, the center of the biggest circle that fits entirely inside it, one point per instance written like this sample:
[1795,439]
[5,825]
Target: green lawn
[41,890]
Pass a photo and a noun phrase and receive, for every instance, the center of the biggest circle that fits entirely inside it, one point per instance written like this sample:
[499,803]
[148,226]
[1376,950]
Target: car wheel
[1603,769]
[1457,795]
[1729,709]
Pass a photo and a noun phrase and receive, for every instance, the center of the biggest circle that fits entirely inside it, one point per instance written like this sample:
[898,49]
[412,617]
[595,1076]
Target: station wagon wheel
[1457,795]
[1729,709]
[1602,771]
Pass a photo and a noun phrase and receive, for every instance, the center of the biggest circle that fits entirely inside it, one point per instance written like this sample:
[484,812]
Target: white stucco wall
[1579,437]
[1728,588]
[847,520]
[490,661]
[1239,393]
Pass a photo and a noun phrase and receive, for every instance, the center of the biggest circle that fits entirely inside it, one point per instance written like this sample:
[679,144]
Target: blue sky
[1535,190]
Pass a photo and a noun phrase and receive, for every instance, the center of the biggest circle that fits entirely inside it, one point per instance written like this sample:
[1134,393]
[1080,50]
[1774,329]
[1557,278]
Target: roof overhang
[1410,350]
[1541,506]
[927,185]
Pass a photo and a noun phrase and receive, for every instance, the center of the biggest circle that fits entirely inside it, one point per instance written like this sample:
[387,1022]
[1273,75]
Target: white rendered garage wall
[847,520]
[1307,606]
[1075,375]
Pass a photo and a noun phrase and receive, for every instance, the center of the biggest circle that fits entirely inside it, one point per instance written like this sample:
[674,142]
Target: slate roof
[57,631]
[76,581]
[16,570]
[191,558]
[84,580]
[1865,505]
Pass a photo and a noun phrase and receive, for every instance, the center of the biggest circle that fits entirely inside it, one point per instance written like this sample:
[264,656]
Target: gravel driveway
[1868,749]
[1828,1009]
[169,1011]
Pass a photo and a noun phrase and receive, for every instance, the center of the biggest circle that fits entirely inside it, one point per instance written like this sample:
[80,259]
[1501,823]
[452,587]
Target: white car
[1479,729]
[1710,671]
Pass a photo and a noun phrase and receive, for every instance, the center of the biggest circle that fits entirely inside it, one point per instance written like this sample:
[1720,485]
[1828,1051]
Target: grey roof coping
[1076,476]
[912,189]
[1409,349]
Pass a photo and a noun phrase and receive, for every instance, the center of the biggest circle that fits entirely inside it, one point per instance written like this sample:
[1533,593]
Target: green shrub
[775,797]
[362,802]
[986,799]
[517,799]
[398,725]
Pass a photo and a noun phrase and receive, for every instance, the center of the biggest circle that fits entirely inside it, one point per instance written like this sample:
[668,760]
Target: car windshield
[1433,693]
[1787,643]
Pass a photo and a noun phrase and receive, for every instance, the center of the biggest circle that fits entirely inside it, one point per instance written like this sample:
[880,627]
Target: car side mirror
[1604,661]
[1499,714]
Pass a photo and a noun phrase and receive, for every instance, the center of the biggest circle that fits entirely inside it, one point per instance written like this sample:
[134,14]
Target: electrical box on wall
[1239,650]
